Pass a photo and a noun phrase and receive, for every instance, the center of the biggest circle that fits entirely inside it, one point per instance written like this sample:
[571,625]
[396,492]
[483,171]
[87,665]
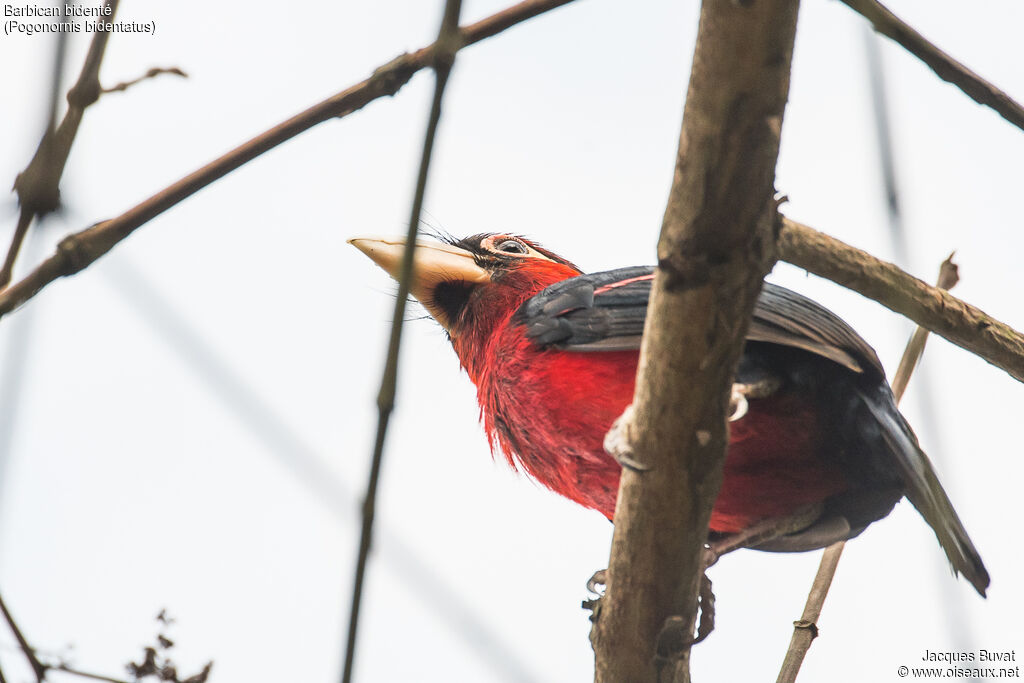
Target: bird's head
[471,285]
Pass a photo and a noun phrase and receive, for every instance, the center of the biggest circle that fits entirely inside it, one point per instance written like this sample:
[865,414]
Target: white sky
[135,482]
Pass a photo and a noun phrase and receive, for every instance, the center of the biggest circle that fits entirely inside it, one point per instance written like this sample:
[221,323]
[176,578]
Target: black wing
[606,312]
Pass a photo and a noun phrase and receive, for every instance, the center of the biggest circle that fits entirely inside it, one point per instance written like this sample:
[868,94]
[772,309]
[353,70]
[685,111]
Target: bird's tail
[924,490]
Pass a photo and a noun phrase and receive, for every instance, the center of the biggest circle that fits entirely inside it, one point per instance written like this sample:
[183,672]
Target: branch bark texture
[930,307]
[716,245]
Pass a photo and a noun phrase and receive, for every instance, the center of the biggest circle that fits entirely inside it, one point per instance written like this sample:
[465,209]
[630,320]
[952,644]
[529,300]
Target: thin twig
[77,251]
[20,231]
[152,73]
[945,67]
[805,629]
[64,668]
[445,48]
[38,186]
[948,277]
[37,667]
[935,309]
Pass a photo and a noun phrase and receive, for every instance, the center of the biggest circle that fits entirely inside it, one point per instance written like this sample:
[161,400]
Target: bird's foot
[761,532]
[594,604]
[762,388]
[676,635]
[617,442]
[706,604]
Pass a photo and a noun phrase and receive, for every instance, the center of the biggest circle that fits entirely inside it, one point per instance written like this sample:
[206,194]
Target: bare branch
[806,629]
[945,67]
[37,667]
[948,277]
[85,674]
[20,231]
[77,251]
[38,186]
[930,307]
[716,246]
[446,47]
[152,73]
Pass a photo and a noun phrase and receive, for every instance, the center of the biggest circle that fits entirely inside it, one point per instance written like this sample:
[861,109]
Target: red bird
[553,354]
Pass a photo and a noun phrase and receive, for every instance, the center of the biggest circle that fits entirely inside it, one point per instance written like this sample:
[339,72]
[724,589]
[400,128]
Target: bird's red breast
[773,468]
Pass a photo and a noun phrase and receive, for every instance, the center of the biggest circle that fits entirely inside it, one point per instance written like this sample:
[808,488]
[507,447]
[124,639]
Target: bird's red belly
[551,417]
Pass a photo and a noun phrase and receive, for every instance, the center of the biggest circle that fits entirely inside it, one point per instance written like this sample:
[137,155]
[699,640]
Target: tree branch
[716,246]
[445,48]
[37,667]
[805,630]
[151,73]
[935,309]
[38,186]
[944,66]
[64,668]
[77,251]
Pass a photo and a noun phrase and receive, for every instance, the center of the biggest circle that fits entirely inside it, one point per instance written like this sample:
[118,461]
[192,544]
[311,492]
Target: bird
[815,437]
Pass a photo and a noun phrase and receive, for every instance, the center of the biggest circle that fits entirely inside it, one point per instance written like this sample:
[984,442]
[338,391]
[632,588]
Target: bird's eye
[511,247]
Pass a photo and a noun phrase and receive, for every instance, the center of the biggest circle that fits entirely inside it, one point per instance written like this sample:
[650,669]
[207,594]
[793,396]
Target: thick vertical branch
[717,243]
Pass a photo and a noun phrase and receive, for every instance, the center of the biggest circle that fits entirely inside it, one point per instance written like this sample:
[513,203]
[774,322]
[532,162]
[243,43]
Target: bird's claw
[762,388]
[594,605]
[738,405]
[710,556]
[616,443]
[630,463]
[762,532]
[676,637]
[706,598]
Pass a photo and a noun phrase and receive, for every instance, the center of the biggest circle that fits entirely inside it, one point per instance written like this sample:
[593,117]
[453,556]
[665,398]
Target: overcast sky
[188,422]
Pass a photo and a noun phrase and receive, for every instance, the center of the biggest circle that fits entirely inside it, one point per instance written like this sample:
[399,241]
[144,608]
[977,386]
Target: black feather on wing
[606,312]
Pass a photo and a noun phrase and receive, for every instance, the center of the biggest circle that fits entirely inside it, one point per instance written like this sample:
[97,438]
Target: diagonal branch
[37,667]
[805,630]
[80,249]
[716,245]
[944,66]
[935,309]
[38,186]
